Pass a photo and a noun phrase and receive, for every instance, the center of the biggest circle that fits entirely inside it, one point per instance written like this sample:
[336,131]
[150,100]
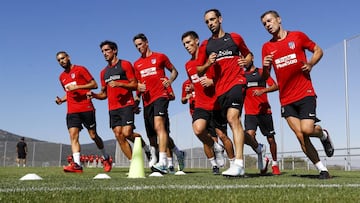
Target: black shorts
[21,155]
[264,121]
[121,117]
[158,108]
[77,120]
[234,98]
[208,116]
[220,121]
[302,109]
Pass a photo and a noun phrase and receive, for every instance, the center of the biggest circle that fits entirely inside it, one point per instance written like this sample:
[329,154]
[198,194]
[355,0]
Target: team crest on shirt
[153,61]
[72,75]
[291,45]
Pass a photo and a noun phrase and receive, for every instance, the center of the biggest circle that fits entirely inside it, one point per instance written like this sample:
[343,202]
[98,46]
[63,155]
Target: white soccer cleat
[219,154]
[234,171]
[261,156]
[328,145]
[153,159]
[181,160]
[159,168]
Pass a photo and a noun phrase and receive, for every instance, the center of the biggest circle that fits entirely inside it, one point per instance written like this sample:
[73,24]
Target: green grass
[198,185]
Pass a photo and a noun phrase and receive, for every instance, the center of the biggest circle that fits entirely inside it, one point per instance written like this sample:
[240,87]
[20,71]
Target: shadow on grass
[255,175]
[310,176]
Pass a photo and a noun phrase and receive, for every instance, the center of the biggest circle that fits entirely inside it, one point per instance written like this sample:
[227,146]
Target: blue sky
[33,31]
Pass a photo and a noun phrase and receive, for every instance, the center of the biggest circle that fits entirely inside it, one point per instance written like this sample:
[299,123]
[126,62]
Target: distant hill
[5,136]
[8,136]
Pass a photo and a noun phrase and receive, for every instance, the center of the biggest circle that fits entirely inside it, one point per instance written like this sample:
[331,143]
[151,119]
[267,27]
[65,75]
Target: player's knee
[198,131]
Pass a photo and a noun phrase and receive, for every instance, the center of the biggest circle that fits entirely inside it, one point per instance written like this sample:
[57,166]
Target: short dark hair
[62,52]
[140,36]
[274,13]
[191,33]
[216,11]
[111,44]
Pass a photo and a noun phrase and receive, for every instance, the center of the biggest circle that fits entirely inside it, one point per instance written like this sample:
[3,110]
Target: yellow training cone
[137,162]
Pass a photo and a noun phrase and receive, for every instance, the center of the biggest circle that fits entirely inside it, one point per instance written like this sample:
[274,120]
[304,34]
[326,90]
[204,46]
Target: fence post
[60,155]
[33,157]
[5,153]
[191,158]
[345,164]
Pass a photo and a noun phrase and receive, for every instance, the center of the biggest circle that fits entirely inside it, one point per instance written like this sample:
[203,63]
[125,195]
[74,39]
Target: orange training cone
[137,162]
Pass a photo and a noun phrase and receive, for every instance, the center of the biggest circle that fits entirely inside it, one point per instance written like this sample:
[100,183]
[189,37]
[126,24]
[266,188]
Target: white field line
[177,187]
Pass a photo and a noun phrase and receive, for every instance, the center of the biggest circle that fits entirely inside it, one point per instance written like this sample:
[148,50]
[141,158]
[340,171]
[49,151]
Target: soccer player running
[153,86]
[203,115]
[117,85]
[286,53]
[227,53]
[77,82]
[258,114]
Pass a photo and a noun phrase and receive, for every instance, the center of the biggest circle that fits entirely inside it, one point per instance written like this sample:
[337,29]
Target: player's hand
[206,82]
[212,58]
[307,67]
[257,92]
[187,88]
[165,82]
[136,108]
[58,100]
[141,87]
[89,94]
[113,84]
[242,61]
[268,59]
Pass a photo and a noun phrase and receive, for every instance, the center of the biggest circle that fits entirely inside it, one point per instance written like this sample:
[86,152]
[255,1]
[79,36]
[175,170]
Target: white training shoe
[181,160]
[219,154]
[328,145]
[147,152]
[234,171]
[261,156]
[159,168]
[153,159]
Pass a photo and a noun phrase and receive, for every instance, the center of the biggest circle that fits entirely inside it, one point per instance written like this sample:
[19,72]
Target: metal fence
[195,158]
[41,154]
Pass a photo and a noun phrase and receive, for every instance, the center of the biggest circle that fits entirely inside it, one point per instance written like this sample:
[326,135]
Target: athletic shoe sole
[264,170]
[155,168]
[328,145]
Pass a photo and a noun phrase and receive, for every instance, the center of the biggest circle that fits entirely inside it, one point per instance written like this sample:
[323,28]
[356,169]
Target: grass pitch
[198,185]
